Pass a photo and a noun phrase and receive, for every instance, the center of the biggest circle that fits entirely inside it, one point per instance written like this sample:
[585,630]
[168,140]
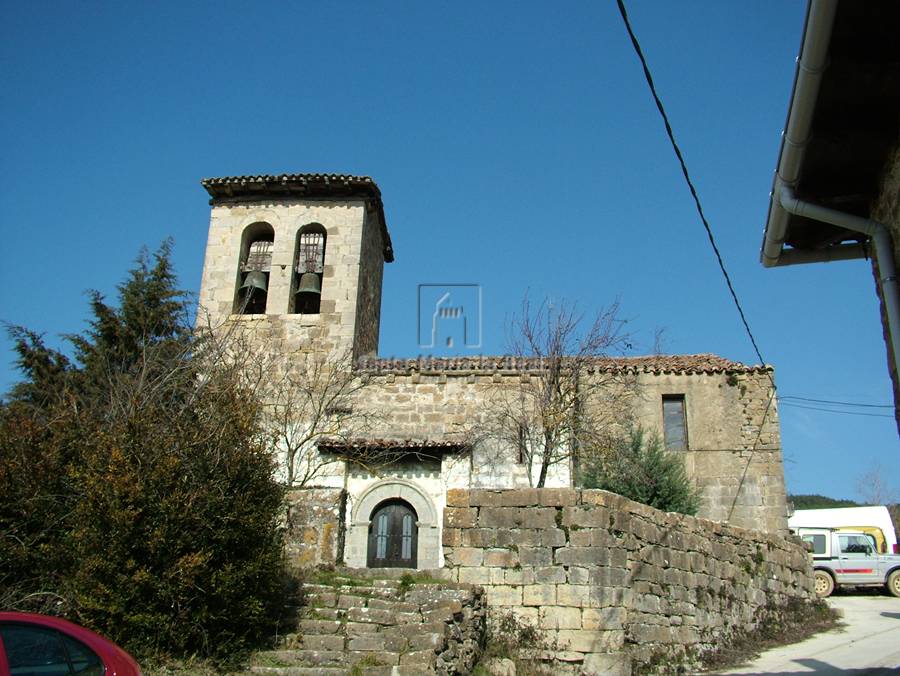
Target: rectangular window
[817,541]
[674,422]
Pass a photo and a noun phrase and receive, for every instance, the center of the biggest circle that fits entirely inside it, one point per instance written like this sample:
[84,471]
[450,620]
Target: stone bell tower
[297,259]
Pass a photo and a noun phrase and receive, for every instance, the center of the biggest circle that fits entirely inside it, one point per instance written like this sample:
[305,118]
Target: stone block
[602,597]
[606,664]
[421,657]
[550,575]
[574,595]
[452,537]
[319,627]
[322,642]
[581,556]
[503,595]
[553,537]
[508,537]
[500,517]
[603,618]
[360,628]
[558,497]
[460,517]
[580,640]
[501,558]
[581,537]
[539,594]
[371,615]
[539,517]
[368,642]
[609,577]
[517,576]
[479,537]
[383,657]
[430,641]
[586,517]
[480,497]
[520,497]
[578,575]
[536,556]
[558,617]
[467,556]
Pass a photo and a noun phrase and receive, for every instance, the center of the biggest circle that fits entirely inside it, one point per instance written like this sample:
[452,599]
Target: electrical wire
[690,183]
[783,397]
[834,410]
[712,242]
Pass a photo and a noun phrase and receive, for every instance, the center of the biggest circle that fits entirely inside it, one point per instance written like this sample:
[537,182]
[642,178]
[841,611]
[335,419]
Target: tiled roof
[410,445]
[659,364]
[237,189]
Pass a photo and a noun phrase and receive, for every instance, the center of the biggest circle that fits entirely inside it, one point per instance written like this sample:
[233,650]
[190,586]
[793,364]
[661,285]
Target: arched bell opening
[254,269]
[309,268]
[393,535]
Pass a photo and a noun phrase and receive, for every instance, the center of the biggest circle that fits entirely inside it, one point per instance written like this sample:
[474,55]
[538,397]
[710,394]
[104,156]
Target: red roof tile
[676,364]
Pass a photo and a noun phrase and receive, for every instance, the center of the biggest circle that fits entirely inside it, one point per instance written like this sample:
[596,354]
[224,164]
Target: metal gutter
[810,66]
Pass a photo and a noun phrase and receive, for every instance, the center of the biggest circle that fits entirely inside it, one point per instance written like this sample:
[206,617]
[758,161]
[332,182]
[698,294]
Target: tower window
[309,267]
[254,269]
[674,422]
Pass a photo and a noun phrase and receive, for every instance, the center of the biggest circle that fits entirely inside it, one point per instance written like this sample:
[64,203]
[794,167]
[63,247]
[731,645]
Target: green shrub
[641,470]
[136,486]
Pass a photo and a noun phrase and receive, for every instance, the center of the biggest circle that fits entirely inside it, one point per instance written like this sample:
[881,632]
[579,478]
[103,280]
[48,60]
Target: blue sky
[516,147]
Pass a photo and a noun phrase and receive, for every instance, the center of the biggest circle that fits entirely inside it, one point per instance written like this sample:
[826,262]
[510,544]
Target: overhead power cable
[687,177]
[782,398]
[836,410]
[712,242]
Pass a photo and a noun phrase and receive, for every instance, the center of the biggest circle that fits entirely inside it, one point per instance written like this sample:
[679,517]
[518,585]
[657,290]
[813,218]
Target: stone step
[300,671]
[300,658]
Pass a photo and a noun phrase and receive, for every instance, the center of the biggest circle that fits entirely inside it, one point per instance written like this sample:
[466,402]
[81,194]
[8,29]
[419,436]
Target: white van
[874,521]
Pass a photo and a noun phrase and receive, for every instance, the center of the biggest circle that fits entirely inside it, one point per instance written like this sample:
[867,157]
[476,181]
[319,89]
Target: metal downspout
[884,251]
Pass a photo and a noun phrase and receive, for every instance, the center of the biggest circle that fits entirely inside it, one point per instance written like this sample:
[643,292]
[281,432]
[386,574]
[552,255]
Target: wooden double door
[393,536]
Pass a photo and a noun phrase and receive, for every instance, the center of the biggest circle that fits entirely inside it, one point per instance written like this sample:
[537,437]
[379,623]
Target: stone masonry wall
[607,578]
[314,526]
[886,209]
[736,466]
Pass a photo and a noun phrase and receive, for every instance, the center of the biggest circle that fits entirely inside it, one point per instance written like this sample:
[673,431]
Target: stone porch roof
[395,446]
[679,364]
[262,187]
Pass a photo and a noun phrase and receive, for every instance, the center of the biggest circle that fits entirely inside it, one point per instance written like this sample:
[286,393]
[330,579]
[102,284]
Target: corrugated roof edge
[673,364]
[240,189]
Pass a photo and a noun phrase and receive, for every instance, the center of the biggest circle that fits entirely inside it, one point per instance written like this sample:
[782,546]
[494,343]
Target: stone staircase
[352,624]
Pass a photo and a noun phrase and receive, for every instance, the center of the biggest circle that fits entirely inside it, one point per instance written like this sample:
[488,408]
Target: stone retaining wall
[602,575]
[314,532]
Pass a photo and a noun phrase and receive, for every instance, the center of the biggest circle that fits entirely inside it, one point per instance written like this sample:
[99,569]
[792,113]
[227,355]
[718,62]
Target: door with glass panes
[393,536]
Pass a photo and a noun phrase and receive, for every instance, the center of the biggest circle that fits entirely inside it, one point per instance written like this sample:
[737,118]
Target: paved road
[868,644]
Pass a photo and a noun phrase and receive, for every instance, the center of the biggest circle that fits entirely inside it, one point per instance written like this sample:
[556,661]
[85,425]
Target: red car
[40,645]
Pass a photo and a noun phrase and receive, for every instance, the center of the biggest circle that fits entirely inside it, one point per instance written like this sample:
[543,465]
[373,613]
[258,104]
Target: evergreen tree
[136,484]
[641,470]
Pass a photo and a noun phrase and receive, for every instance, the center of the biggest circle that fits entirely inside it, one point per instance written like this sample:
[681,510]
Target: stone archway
[393,489]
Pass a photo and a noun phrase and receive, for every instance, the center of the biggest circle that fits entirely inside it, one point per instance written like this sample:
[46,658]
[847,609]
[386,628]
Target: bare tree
[311,400]
[874,486]
[571,397]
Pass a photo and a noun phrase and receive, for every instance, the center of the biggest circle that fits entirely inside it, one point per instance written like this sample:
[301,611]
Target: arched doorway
[393,536]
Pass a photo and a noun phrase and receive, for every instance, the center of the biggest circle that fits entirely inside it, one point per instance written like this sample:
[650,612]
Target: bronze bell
[309,283]
[254,280]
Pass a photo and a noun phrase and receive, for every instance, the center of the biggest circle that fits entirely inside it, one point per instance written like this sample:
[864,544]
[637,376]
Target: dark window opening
[393,536]
[674,422]
[254,269]
[309,268]
[522,444]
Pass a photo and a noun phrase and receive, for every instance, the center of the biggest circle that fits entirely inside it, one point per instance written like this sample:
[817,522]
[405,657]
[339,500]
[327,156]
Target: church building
[294,266]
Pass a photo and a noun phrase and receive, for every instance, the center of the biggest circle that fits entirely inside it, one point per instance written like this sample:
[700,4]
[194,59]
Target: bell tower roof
[263,187]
